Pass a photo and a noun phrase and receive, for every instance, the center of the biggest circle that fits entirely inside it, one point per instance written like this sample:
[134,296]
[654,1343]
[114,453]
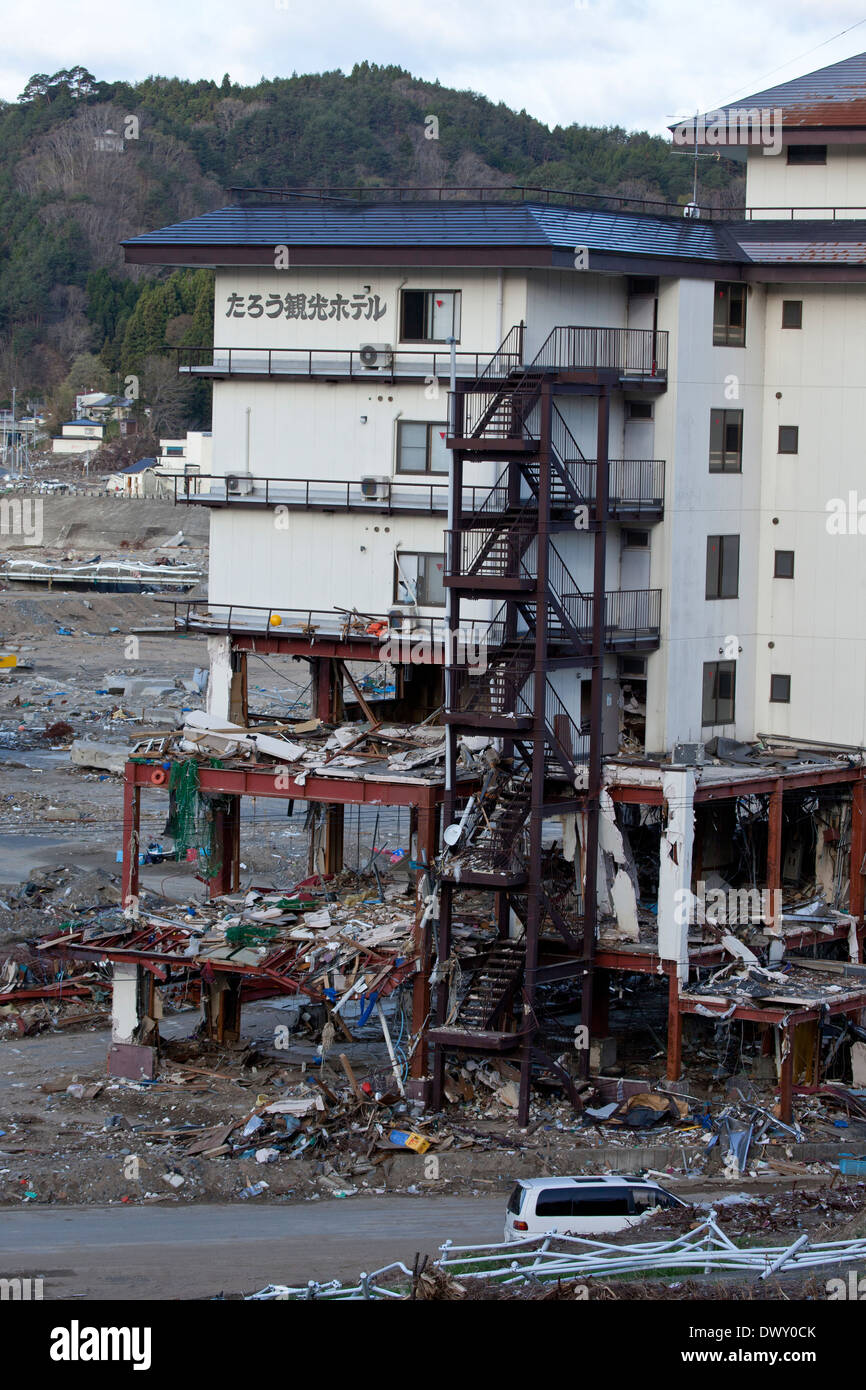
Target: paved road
[194,1252]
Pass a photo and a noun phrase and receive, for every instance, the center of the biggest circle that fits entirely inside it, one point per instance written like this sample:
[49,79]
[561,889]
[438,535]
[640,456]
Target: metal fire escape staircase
[505,549]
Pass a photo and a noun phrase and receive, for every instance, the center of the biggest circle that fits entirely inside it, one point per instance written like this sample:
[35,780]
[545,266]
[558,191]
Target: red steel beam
[636,796]
[767,782]
[778,1013]
[358,648]
[260,780]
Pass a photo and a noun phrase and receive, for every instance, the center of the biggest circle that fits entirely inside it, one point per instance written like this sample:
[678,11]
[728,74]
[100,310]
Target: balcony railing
[337,363]
[631,352]
[530,193]
[632,617]
[324,494]
[636,487]
[331,624]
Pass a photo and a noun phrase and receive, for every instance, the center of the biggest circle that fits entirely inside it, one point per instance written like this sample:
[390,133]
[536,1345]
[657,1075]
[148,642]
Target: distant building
[136,480]
[98,405]
[183,463]
[80,436]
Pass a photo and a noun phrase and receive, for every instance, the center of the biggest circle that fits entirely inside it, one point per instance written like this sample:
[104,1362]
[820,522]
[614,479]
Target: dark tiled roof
[832,96]
[454,225]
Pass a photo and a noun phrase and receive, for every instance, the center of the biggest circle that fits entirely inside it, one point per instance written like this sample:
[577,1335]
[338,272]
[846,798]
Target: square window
[792,313]
[419,578]
[726,441]
[789,439]
[807,154]
[642,284]
[421,447]
[723,566]
[639,410]
[729,315]
[719,691]
[634,539]
[429,316]
[780,690]
[784,565]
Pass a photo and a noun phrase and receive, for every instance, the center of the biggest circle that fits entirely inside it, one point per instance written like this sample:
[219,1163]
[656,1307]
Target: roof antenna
[693,209]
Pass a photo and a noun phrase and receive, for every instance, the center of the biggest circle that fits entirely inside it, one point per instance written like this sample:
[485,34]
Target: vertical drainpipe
[500,297]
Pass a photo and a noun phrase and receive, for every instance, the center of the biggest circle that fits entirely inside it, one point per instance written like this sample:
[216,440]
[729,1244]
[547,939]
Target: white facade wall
[817,622]
[699,504]
[771,182]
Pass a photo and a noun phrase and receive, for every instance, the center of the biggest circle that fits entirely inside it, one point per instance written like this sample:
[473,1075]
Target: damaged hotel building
[590,480]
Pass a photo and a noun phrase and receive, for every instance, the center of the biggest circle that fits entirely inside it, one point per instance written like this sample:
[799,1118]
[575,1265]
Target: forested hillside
[85,163]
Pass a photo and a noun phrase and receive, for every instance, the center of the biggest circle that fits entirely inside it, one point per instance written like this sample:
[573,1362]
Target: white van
[588,1206]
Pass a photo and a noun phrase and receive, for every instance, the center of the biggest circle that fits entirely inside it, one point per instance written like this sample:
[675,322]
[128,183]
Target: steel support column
[774,856]
[427,844]
[858,850]
[227,839]
[131,837]
[596,726]
[675,1029]
[539,748]
[786,1074]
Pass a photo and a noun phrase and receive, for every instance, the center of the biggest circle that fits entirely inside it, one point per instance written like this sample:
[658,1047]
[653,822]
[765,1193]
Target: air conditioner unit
[401,617]
[375,489]
[239,484]
[376,355]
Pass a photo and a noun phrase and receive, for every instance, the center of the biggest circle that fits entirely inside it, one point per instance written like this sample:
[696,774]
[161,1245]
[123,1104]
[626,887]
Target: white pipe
[500,296]
[390,1046]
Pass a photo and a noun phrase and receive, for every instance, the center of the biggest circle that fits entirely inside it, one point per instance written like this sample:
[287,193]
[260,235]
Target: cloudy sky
[637,63]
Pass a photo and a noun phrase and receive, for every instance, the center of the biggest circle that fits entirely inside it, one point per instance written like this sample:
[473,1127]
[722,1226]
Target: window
[630,666]
[635,539]
[639,410]
[726,441]
[723,566]
[601,1201]
[807,154]
[719,691]
[642,284]
[421,447]
[789,439]
[792,313]
[429,316]
[729,315]
[419,579]
[784,565]
[556,1201]
[515,1201]
[780,690]
[646,1198]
